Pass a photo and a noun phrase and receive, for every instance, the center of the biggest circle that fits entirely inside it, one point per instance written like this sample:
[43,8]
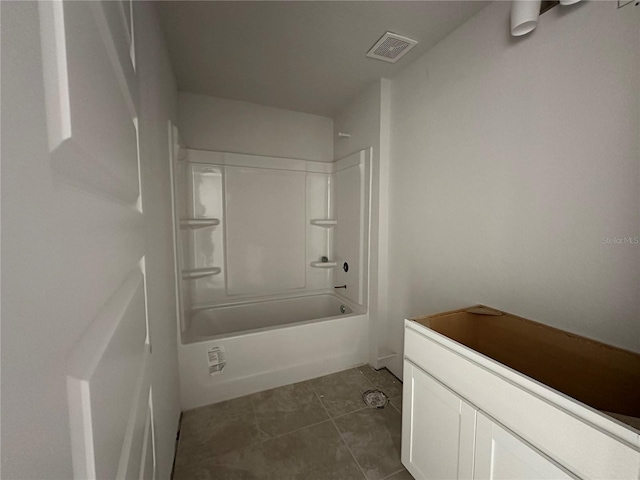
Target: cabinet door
[500,454]
[438,429]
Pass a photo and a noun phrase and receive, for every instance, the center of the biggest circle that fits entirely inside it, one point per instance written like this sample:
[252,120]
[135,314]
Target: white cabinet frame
[561,430]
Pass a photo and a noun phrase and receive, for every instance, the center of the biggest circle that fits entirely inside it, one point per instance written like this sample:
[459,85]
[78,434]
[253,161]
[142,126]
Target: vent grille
[391,47]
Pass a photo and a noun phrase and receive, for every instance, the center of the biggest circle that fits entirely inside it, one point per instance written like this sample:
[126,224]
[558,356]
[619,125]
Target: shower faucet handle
[341,286]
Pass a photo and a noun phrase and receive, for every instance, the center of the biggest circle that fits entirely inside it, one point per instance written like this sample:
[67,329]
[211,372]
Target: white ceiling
[307,56]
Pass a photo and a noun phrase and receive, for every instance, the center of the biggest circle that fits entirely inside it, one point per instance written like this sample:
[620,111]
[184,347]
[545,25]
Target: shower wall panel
[265,230]
[352,213]
[182,194]
[319,239]
[275,221]
[206,245]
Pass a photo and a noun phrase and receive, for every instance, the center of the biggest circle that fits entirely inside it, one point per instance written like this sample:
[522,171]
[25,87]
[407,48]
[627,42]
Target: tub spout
[341,286]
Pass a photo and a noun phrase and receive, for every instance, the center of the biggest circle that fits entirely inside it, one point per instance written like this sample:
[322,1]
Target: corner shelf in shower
[324,264]
[192,223]
[324,222]
[195,273]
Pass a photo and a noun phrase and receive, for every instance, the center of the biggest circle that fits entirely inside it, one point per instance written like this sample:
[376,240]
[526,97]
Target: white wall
[511,160]
[209,123]
[360,119]
[366,119]
[62,253]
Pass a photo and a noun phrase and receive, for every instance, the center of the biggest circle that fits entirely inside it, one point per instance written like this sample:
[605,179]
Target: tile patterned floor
[314,430]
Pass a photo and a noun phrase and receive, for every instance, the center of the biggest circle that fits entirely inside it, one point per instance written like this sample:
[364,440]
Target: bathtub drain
[343,309]
[375,399]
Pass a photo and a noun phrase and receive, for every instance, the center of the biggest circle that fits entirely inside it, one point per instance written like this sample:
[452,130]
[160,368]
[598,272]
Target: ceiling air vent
[391,47]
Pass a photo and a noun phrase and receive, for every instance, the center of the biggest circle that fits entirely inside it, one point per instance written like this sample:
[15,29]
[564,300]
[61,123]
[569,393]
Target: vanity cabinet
[437,441]
[443,436]
[467,415]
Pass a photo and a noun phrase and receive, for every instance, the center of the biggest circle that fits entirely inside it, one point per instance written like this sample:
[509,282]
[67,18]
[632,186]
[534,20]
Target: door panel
[91,95]
[148,459]
[108,385]
[137,438]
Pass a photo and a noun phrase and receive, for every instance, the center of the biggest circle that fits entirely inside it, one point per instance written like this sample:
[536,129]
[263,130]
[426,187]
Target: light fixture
[524,16]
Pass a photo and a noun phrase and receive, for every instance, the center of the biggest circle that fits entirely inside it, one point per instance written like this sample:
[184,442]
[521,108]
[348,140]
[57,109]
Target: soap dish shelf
[196,273]
[324,264]
[192,223]
[324,222]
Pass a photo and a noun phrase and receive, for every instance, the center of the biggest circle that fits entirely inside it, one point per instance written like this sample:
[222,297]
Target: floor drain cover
[375,399]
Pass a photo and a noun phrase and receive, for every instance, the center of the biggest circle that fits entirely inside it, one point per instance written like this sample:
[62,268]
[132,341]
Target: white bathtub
[249,317]
[268,344]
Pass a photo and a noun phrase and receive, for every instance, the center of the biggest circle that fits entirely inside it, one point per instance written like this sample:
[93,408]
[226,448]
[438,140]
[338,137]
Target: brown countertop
[604,377]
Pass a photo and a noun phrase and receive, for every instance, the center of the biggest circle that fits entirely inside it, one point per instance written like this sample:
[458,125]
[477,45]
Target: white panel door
[501,455]
[438,429]
[91,88]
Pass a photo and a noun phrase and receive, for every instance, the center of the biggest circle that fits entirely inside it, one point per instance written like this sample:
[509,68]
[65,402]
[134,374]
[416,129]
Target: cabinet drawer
[576,445]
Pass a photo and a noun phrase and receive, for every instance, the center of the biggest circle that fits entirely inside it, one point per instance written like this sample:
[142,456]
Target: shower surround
[261,244]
